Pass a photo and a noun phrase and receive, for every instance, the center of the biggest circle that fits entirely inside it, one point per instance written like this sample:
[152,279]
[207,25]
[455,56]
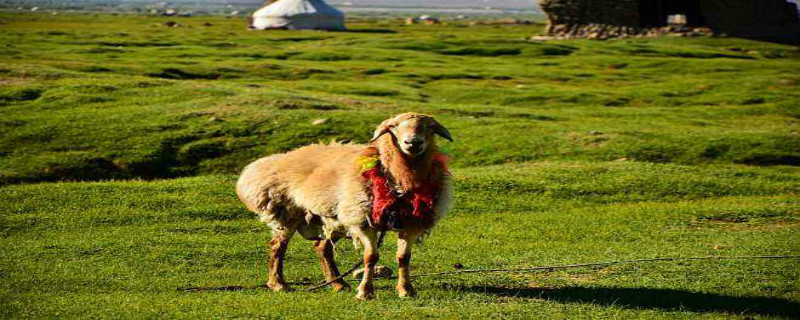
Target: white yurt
[298,14]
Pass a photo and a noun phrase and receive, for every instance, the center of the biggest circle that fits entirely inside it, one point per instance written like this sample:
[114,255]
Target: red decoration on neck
[419,203]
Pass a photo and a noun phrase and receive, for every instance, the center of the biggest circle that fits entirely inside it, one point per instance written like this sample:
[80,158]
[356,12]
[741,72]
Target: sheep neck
[408,173]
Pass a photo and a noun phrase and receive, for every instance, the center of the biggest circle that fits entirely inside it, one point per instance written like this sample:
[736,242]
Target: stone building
[766,19]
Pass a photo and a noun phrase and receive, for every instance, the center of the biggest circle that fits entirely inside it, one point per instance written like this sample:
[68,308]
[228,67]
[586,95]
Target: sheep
[325,192]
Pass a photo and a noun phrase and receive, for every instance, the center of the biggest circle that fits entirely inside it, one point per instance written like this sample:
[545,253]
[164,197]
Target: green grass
[100,97]
[123,248]
[568,151]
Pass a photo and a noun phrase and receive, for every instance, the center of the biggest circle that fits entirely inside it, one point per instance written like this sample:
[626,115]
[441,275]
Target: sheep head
[412,133]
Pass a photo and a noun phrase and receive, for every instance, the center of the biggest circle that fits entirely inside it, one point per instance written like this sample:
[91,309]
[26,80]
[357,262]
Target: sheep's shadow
[662,299]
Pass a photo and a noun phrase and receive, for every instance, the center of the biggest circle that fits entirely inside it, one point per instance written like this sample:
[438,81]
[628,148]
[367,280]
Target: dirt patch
[13,81]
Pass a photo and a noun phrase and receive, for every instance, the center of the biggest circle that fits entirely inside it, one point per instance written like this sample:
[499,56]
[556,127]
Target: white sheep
[329,191]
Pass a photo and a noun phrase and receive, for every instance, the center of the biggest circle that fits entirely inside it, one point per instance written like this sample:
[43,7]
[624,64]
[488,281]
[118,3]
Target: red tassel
[420,203]
[382,195]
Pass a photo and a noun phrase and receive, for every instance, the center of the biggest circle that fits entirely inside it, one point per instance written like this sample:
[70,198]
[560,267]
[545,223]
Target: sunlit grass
[564,152]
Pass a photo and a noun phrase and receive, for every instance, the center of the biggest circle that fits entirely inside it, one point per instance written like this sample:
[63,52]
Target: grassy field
[565,152]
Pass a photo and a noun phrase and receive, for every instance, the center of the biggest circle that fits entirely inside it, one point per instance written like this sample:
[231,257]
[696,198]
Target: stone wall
[565,14]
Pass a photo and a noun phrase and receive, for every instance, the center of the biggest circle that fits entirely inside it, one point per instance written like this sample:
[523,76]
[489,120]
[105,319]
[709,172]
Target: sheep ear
[439,129]
[382,129]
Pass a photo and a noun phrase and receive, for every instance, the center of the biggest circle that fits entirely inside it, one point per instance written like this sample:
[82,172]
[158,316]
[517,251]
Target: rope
[532,269]
[346,273]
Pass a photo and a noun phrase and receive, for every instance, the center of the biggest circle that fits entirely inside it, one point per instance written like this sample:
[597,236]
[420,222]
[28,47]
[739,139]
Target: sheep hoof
[406,291]
[279,287]
[363,296]
[340,287]
[365,293]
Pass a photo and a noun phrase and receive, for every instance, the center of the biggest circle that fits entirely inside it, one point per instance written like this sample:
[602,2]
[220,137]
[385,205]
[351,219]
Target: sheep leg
[404,242]
[369,238]
[278,244]
[324,250]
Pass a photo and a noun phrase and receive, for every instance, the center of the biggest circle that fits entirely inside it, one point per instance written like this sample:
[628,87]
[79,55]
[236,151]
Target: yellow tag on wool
[367,163]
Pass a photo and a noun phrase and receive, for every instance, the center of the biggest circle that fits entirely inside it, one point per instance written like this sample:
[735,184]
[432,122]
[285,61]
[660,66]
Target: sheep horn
[382,129]
[439,129]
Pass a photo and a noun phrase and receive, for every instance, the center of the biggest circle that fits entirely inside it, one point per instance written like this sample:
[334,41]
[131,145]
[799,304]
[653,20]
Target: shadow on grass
[662,299]
[368,31]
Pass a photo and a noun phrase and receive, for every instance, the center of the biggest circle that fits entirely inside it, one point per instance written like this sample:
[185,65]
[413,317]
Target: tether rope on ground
[346,273]
[531,269]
